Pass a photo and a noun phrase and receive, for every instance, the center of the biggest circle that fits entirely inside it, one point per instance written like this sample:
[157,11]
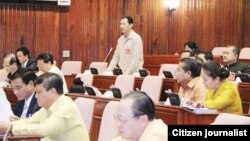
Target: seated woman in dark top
[192,47]
[77,86]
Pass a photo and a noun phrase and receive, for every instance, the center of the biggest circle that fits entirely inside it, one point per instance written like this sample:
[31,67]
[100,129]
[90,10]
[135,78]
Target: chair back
[86,107]
[87,79]
[125,83]
[231,119]
[71,67]
[218,51]
[244,53]
[152,86]
[168,67]
[108,127]
[100,66]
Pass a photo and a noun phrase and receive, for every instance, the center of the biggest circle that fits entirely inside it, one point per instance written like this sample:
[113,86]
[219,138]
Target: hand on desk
[4,126]
[13,118]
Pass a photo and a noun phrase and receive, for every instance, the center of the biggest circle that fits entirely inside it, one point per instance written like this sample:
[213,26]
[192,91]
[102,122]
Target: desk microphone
[108,54]
[7,133]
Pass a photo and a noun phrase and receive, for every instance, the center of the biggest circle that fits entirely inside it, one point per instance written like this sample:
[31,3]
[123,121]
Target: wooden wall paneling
[246,24]
[90,28]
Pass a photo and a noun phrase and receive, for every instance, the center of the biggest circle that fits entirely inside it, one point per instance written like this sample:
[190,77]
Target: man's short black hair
[130,19]
[24,50]
[207,55]
[193,46]
[142,105]
[26,76]
[46,57]
[49,81]
[191,65]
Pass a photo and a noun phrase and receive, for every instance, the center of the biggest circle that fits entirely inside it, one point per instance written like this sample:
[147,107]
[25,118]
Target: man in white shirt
[136,121]
[24,88]
[129,50]
[5,110]
[59,119]
[45,63]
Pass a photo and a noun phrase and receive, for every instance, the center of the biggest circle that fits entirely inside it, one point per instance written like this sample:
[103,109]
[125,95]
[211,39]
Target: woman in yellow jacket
[222,94]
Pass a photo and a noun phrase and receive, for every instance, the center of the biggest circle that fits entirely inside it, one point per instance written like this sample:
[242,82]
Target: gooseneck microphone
[108,54]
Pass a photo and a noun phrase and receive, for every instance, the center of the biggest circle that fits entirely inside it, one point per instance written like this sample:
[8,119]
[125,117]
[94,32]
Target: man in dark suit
[231,63]
[25,60]
[24,89]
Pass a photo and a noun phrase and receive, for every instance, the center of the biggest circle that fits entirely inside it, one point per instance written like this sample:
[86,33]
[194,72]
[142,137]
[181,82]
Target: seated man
[45,64]
[25,60]
[230,60]
[192,90]
[136,119]
[11,65]
[23,85]
[59,118]
[206,56]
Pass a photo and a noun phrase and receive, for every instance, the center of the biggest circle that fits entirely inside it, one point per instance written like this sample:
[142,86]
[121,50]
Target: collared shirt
[26,105]
[61,122]
[56,70]
[225,99]
[25,63]
[128,54]
[194,92]
[156,130]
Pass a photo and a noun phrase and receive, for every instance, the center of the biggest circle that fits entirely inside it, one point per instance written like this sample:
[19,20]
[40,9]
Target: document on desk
[5,110]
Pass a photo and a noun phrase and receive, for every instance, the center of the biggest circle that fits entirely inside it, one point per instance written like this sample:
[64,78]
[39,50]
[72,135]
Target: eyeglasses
[123,119]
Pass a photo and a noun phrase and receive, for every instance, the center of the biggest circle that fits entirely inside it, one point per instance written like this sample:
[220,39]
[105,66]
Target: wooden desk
[244,90]
[191,118]
[153,62]
[22,138]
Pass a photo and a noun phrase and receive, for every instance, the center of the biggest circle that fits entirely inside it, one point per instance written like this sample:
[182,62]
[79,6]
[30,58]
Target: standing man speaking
[129,50]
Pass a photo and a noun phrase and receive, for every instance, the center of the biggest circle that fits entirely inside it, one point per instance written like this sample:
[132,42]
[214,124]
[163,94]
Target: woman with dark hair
[192,47]
[222,94]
